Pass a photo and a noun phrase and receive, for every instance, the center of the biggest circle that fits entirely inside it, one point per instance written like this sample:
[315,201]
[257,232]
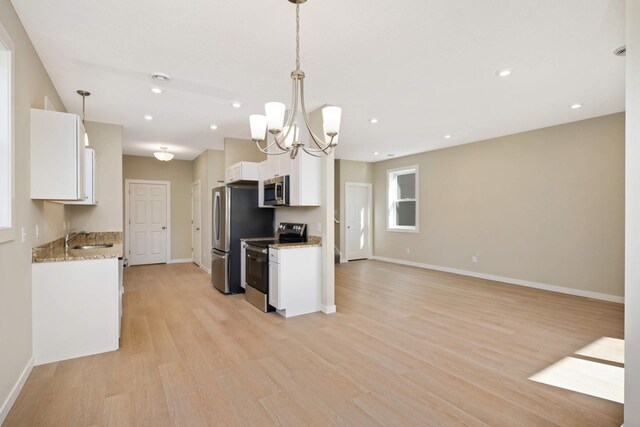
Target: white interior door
[196,242]
[358,221]
[147,223]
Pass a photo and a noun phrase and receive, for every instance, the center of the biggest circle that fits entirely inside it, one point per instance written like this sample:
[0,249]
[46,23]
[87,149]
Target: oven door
[257,268]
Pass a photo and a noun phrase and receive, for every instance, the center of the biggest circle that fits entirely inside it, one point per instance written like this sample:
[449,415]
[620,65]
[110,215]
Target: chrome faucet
[70,236]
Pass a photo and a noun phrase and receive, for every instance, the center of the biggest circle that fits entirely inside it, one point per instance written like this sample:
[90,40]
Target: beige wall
[180,174]
[241,150]
[348,171]
[31,85]
[545,206]
[106,140]
[632,287]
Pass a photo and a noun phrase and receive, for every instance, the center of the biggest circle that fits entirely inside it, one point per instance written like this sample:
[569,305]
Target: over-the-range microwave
[276,191]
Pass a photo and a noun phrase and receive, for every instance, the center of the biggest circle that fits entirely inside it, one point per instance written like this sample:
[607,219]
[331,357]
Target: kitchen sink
[96,246]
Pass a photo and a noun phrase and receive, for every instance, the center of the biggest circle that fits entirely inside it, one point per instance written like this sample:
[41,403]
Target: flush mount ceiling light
[156,90]
[161,77]
[84,94]
[213,127]
[148,117]
[163,155]
[236,104]
[503,73]
[285,133]
[575,106]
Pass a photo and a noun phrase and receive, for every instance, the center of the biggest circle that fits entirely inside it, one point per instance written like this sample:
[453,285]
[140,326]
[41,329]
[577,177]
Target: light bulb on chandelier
[284,128]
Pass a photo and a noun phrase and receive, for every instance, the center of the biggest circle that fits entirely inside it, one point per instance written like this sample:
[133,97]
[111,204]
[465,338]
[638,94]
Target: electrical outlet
[64,225]
[474,259]
[408,251]
[319,227]
[24,235]
[37,231]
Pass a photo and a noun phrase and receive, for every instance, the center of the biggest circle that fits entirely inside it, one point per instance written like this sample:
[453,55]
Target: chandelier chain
[298,37]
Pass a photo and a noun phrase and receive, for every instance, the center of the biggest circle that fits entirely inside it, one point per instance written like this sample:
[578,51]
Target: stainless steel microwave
[276,191]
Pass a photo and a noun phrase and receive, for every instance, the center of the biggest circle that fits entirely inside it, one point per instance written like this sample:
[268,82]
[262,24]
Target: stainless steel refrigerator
[236,215]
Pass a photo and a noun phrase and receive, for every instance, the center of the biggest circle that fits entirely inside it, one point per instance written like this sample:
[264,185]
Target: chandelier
[286,134]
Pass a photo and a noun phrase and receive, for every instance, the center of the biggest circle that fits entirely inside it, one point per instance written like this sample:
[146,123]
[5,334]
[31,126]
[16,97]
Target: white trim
[181,261]
[404,229]
[343,225]
[205,269]
[328,309]
[127,183]
[509,280]
[8,233]
[199,264]
[15,391]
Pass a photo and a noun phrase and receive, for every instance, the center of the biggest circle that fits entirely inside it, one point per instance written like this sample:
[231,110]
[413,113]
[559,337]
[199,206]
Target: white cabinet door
[275,297]
[91,183]
[148,224]
[305,180]
[57,156]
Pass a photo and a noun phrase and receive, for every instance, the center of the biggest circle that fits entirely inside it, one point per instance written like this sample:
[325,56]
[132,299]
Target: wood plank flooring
[407,347]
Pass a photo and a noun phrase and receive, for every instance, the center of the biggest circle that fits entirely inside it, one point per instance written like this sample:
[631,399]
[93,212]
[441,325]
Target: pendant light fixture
[286,134]
[84,94]
[163,155]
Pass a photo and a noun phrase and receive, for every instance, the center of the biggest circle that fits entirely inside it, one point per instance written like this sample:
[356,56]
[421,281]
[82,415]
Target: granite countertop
[253,239]
[54,251]
[311,242]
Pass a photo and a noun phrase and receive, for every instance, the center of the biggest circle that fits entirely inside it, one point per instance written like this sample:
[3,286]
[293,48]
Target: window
[402,187]
[7,207]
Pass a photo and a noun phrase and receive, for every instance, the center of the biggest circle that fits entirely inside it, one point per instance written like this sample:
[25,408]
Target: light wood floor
[407,347]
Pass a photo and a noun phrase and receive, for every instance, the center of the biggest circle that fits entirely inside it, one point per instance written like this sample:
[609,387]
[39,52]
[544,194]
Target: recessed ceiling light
[156,90]
[375,153]
[236,104]
[575,106]
[447,136]
[373,121]
[214,127]
[148,117]
[503,73]
[162,77]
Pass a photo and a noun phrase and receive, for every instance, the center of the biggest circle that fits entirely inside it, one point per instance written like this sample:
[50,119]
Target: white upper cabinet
[304,176]
[57,156]
[90,181]
[242,171]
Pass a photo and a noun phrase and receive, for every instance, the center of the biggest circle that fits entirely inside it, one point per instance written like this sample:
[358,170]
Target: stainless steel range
[257,262]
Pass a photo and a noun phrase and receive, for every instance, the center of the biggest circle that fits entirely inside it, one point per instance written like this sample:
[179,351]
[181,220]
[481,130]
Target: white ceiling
[424,68]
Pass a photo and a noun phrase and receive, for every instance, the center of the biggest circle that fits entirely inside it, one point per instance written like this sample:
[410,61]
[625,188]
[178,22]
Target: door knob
[197,229]
[164,228]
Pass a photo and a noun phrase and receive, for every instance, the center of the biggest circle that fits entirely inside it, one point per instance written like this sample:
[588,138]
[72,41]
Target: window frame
[392,174]
[8,230]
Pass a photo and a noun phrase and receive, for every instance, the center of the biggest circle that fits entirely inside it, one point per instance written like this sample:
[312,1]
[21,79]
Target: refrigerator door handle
[216,219]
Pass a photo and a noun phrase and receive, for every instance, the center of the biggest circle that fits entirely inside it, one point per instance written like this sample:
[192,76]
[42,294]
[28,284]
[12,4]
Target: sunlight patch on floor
[593,377]
[605,348]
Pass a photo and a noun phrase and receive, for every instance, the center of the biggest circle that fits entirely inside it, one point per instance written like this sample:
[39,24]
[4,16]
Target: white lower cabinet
[76,309]
[295,285]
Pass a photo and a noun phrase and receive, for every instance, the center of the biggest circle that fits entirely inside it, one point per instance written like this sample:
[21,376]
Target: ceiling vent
[621,51]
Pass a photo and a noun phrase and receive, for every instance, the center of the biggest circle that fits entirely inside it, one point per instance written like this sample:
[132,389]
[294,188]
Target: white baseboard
[328,309]
[205,269]
[180,261]
[519,282]
[15,391]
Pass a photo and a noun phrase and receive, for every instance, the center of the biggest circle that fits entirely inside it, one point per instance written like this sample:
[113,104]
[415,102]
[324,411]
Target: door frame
[127,189]
[343,221]
[197,181]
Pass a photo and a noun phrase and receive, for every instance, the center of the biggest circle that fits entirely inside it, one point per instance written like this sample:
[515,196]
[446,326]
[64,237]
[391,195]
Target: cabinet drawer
[274,255]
